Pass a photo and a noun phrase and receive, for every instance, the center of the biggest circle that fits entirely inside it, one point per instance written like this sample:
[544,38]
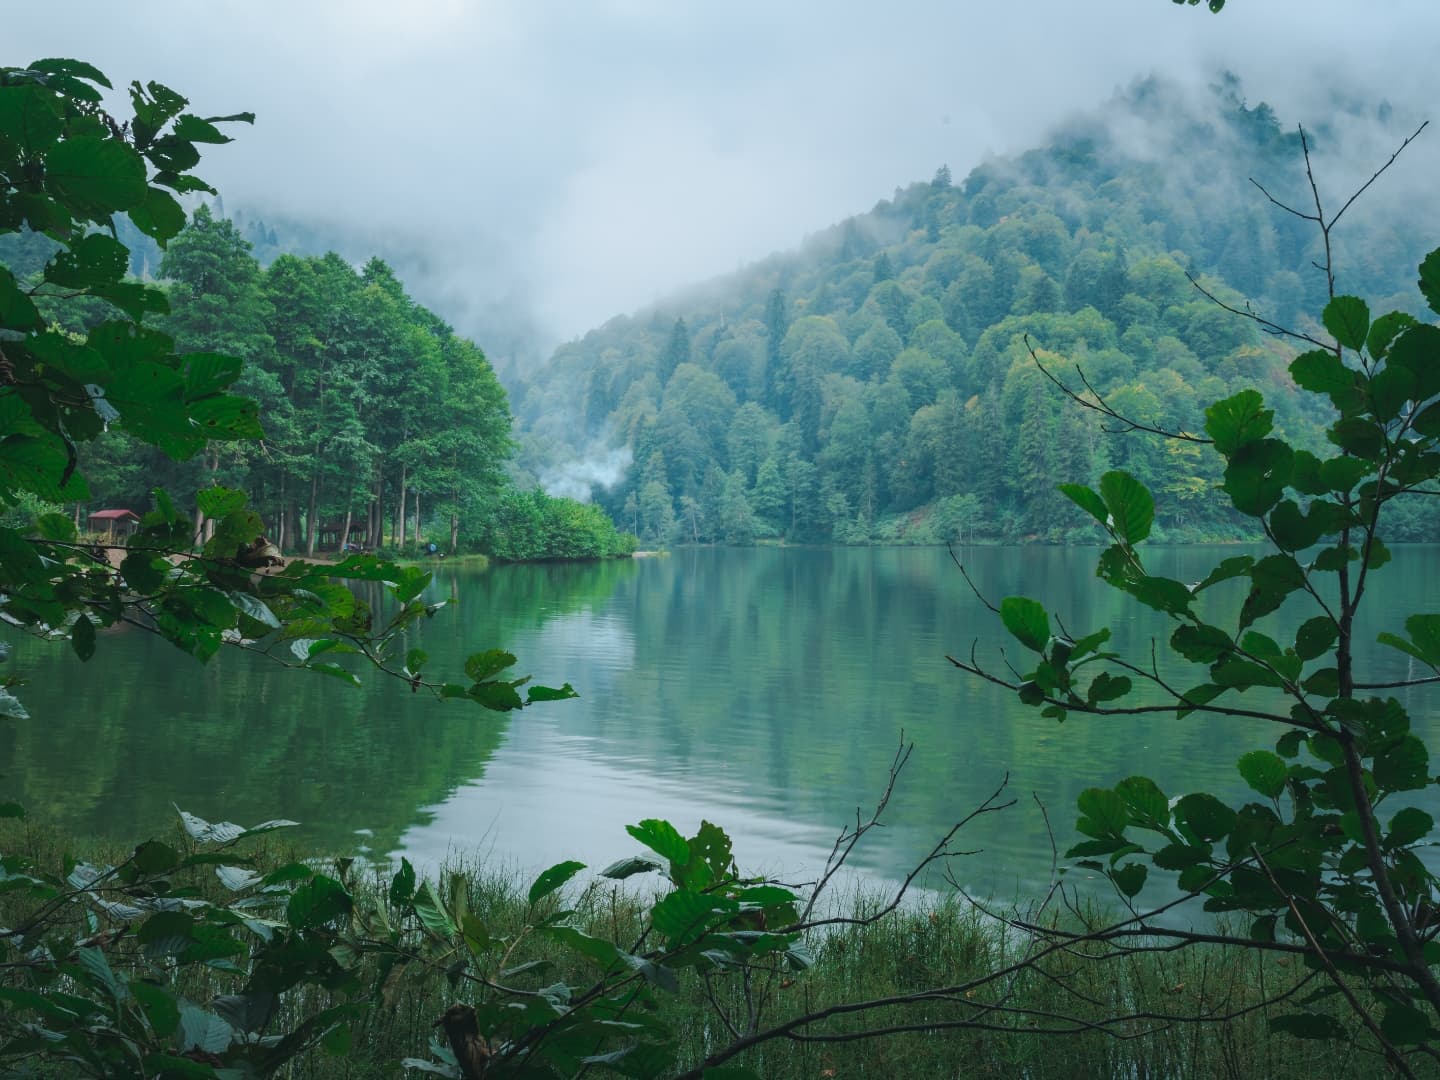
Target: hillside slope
[876,385]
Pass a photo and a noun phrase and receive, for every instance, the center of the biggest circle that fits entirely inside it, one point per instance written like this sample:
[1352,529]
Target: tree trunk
[199,526]
[397,534]
[310,530]
[280,534]
[345,533]
[417,519]
[454,522]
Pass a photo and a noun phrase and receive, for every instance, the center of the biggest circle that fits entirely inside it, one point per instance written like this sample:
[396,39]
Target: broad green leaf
[1409,826]
[1132,510]
[432,913]
[320,900]
[1205,816]
[1144,798]
[1405,1025]
[1130,878]
[549,693]
[635,864]
[30,117]
[1202,643]
[1027,621]
[1264,771]
[1087,500]
[1430,280]
[1322,372]
[1257,474]
[662,838]
[216,502]
[553,879]
[1348,319]
[1315,637]
[1238,420]
[683,915]
[101,174]
[17,311]
[1105,813]
[82,637]
[402,885]
[203,1031]
[1233,567]
[482,666]
[497,696]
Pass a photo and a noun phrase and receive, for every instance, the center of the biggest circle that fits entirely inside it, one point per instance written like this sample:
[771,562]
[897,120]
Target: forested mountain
[876,384]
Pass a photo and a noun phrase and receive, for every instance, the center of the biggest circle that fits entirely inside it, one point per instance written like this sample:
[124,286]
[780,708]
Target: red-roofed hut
[117,525]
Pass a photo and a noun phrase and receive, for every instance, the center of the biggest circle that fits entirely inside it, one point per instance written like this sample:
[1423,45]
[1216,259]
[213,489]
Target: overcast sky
[582,159]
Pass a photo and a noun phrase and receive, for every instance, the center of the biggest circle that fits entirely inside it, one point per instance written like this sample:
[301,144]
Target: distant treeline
[383,428]
[877,385]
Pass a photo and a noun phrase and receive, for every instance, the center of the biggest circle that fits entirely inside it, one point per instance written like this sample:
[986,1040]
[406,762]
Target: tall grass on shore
[937,943]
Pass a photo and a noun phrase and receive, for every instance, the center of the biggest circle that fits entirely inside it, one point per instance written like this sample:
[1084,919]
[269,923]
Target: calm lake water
[765,690]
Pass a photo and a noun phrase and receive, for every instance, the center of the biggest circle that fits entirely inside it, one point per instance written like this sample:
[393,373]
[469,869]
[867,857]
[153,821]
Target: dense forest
[383,429]
[877,386]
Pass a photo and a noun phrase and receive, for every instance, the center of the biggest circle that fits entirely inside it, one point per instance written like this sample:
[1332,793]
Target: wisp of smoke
[578,479]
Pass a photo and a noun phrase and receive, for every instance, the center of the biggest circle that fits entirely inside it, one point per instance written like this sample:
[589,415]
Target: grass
[935,944]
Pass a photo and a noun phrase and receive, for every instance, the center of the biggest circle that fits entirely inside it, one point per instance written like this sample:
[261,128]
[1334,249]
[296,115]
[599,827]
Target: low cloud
[578,479]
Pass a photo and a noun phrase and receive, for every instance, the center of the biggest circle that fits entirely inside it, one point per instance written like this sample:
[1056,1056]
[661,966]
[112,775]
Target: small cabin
[117,526]
[328,533]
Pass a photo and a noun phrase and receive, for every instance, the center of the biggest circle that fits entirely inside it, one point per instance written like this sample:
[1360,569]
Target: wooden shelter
[117,525]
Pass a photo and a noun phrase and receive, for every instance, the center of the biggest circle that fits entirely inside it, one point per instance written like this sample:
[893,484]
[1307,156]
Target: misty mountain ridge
[873,384]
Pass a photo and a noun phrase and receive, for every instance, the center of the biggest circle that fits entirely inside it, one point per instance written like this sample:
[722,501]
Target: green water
[765,690]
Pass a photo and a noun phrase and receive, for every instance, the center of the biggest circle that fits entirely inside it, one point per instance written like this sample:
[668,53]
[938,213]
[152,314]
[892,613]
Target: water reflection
[765,690]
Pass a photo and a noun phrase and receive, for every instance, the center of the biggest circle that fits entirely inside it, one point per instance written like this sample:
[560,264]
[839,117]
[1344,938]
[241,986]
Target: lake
[763,689]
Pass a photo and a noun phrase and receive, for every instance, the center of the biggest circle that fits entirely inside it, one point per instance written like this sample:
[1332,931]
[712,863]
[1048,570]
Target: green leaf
[432,913]
[553,879]
[1430,280]
[1348,319]
[1027,621]
[1233,567]
[1132,510]
[1257,474]
[1403,766]
[482,666]
[82,637]
[1238,421]
[1087,500]
[1145,800]
[1264,771]
[1308,1026]
[30,116]
[402,885]
[159,216]
[1105,813]
[203,1031]
[1315,637]
[39,465]
[320,900]
[17,311]
[684,915]
[635,864]
[103,175]
[216,502]
[1409,826]
[1322,372]
[497,696]
[1202,643]
[1205,816]
[1405,1025]
[1130,878]
[662,838]
[549,693]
